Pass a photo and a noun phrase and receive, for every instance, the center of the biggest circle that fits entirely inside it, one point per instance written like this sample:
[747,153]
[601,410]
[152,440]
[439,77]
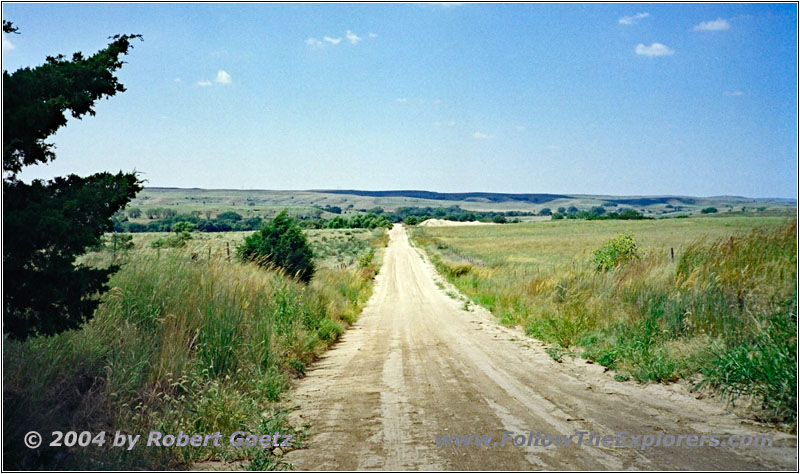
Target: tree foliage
[46,225]
[282,243]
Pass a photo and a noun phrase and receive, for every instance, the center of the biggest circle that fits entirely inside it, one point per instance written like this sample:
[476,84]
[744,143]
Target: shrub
[283,244]
[230,216]
[176,241]
[556,216]
[366,260]
[599,210]
[615,252]
[545,211]
[708,210]
[181,227]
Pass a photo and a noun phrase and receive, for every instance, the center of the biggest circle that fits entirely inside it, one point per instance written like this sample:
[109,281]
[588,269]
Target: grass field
[267,203]
[333,248]
[725,307]
[186,343]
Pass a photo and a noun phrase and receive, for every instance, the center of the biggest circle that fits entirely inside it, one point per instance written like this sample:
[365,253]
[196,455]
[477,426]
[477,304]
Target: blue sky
[624,99]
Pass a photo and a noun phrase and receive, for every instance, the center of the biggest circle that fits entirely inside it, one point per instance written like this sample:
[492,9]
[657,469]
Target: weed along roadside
[722,314]
[181,344]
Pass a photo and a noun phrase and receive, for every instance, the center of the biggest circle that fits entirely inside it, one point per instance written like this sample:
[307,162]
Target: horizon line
[343,191]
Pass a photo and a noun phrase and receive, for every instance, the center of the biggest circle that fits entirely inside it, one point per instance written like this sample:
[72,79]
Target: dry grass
[178,343]
[726,301]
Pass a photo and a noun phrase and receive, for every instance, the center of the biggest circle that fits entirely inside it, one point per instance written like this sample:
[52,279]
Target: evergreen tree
[46,225]
[282,243]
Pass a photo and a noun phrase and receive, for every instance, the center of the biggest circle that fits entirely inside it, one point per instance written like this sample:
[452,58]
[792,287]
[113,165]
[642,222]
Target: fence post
[209,254]
[671,254]
[228,249]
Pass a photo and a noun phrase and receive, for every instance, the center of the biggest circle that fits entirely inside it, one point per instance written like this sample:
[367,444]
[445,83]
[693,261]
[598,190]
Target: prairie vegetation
[723,312]
[326,205]
[180,342]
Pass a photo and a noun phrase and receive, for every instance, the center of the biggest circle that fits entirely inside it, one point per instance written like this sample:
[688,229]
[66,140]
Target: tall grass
[726,309]
[178,343]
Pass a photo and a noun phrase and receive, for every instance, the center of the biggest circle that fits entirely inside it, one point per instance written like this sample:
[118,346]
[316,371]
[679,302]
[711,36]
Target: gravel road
[418,364]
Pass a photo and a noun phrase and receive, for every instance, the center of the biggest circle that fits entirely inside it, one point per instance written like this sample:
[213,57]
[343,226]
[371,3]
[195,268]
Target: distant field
[543,246]
[266,204]
[725,308]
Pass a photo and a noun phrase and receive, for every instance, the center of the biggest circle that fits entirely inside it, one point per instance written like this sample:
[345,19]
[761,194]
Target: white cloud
[720,24]
[734,93]
[553,147]
[204,83]
[437,101]
[7,44]
[352,37]
[314,43]
[223,78]
[520,127]
[177,79]
[482,136]
[401,99]
[633,19]
[655,49]
[451,123]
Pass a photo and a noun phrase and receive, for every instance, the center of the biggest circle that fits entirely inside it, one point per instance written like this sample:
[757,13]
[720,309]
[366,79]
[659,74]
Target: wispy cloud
[314,43]
[482,136]
[7,44]
[734,93]
[655,49]
[520,127]
[177,79]
[352,37]
[204,83]
[720,24]
[401,99]
[223,78]
[633,19]
[553,147]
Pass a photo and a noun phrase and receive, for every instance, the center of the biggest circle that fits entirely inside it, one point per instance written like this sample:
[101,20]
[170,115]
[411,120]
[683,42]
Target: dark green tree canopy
[46,225]
[282,243]
[35,99]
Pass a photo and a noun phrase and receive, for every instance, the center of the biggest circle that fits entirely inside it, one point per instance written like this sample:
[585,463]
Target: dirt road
[417,364]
